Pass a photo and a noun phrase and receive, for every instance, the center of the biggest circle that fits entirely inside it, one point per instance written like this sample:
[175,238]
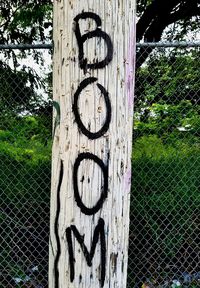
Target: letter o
[104,193]
[84,130]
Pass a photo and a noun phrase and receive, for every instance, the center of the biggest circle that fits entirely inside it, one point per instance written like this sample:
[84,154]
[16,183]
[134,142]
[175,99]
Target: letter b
[95,33]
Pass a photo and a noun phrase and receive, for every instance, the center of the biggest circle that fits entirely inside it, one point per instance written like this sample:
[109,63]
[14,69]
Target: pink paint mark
[127,179]
[130,69]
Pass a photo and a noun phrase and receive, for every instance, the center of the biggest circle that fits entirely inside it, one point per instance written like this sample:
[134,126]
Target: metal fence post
[94,51]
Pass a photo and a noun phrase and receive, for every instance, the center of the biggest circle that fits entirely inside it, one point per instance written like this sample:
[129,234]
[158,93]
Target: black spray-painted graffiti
[99,232]
[97,33]
[56,270]
[81,126]
[104,192]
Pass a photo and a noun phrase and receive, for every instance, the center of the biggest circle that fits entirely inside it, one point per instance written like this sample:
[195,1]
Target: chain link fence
[164,241]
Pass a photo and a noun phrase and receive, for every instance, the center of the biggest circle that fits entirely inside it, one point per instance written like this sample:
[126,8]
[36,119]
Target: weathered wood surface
[94,50]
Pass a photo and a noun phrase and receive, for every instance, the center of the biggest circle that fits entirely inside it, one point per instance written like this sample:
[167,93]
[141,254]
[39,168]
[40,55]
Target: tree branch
[153,11]
[158,19]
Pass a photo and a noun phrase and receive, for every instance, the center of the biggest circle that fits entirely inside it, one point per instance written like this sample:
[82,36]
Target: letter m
[99,232]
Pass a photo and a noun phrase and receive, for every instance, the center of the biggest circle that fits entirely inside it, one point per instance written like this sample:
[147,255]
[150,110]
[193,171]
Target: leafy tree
[167,94]
[17,90]
[25,21]
[28,21]
[167,97]
[169,78]
[157,15]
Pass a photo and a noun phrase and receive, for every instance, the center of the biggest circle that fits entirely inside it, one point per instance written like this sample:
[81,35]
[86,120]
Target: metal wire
[25,46]
[182,44]
[165,219]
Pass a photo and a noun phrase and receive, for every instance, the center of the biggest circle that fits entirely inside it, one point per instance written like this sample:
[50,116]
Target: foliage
[165,188]
[156,16]
[18,91]
[162,13]
[25,153]
[167,95]
[28,139]
[169,77]
[25,21]
[164,209]
[24,216]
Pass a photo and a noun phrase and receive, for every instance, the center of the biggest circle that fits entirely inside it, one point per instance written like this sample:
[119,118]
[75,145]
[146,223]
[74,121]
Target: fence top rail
[25,46]
[181,44]
[138,45]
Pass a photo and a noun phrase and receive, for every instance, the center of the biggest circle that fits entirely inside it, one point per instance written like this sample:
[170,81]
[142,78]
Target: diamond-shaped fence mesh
[25,170]
[164,248]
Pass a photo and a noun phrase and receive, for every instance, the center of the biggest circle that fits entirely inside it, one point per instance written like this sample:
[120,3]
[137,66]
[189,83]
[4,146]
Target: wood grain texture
[93,82]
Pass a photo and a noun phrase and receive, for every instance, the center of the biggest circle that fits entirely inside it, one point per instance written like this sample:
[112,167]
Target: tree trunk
[94,56]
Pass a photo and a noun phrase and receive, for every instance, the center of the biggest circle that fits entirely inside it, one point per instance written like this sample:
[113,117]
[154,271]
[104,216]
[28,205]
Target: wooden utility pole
[94,55]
